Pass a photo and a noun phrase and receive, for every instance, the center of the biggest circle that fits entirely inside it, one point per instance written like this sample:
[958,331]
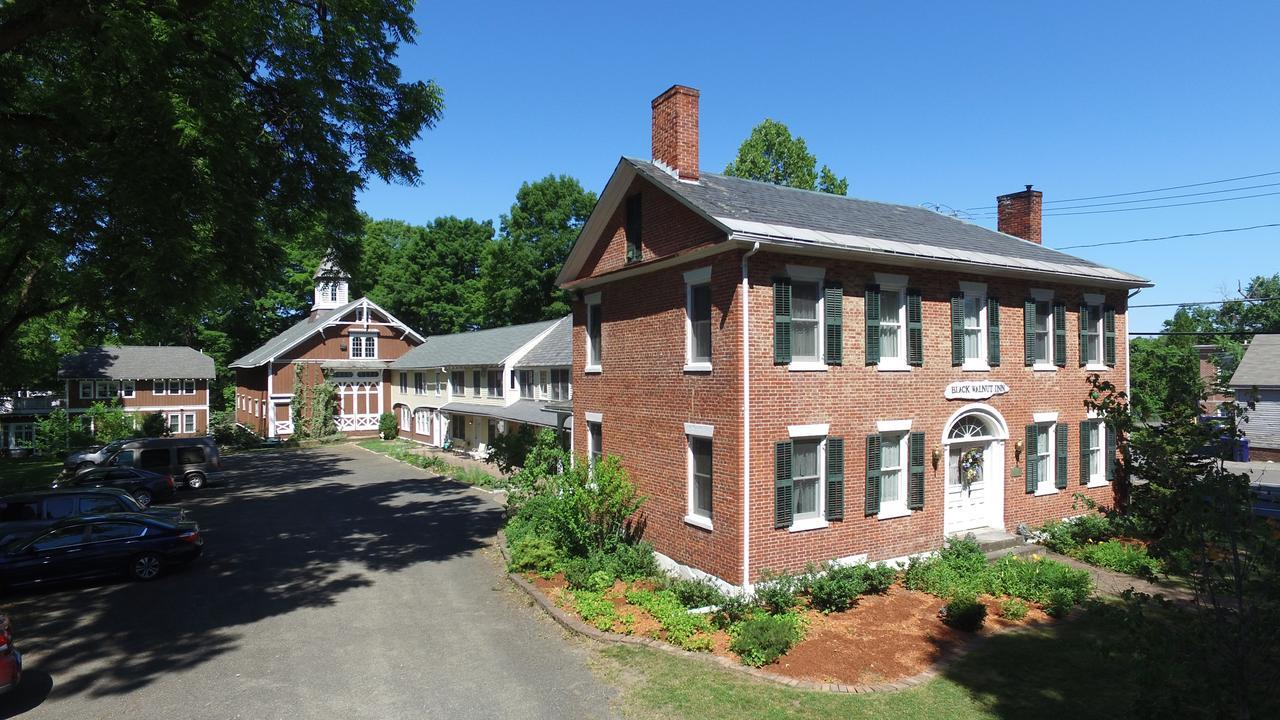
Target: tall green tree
[157,154]
[431,277]
[770,154]
[519,273]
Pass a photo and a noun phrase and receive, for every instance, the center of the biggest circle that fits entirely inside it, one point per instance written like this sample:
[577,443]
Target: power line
[1206,302]
[1201,334]
[1154,199]
[1169,237]
[1146,192]
[1157,207]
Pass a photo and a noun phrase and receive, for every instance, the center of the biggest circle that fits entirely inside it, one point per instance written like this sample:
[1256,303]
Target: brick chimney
[675,131]
[1018,214]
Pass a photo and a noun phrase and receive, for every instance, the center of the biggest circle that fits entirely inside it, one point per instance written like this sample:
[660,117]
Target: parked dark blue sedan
[132,544]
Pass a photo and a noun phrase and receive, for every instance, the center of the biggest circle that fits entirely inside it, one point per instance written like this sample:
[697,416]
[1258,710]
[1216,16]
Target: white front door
[967,486]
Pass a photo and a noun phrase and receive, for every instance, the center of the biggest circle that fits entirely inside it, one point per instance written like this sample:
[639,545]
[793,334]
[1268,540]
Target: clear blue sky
[949,103]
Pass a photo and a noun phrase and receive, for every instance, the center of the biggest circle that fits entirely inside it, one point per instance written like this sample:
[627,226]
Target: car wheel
[195,481]
[143,496]
[145,566]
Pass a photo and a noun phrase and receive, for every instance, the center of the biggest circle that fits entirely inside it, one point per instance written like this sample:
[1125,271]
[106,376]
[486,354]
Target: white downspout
[1128,390]
[746,423]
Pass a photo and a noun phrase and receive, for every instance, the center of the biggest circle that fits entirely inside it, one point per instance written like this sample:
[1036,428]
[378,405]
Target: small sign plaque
[974,390]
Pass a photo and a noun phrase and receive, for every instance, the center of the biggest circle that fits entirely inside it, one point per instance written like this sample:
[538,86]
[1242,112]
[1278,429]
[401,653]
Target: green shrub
[1065,536]
[533,554]
[878,578]
[474,476]
[777,593]
[1060,602]
[964,612]
[600,580]
[959,568]
[695,593]
[595,608]
[733,609]
[1033,579]
[685,630]
[1131,559]
[577,572]
[387,428]
[633,560]
[1013,609]
[837,590]
[762,639]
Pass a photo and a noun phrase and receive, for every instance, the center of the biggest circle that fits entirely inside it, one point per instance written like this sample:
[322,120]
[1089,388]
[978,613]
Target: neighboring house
[351,342]
[170,380]
[470,387]
[1258,380]
[794,377]
[20,410]
[1211,375]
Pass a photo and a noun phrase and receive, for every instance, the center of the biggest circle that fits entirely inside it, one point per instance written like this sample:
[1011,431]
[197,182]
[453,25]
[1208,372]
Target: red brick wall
[668,227]
[1018,214]
[645,398]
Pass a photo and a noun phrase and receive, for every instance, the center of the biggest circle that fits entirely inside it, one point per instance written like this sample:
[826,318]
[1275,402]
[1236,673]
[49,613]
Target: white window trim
[977,290]
[158,387]
[86,385]
[1046,296]
[1099,300]
[1045,485]
[593,299]
[899,507]
[814,274]
[810,432]
[898,284]
[1042,418]
[184,387]
[132,388]
[594,417]
[351,345]
[192,418]
[693,278]
[691,517]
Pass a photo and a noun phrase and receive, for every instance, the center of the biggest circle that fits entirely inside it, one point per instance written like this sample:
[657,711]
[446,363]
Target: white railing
[350,423]
[29,404]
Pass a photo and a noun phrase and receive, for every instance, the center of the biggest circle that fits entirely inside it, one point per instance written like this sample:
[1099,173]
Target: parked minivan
[193,462]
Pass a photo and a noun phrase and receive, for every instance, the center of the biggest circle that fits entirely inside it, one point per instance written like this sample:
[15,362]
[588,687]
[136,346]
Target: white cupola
[331,286]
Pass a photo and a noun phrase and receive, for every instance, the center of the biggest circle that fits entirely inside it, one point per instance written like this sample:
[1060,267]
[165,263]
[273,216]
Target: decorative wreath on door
[971,465]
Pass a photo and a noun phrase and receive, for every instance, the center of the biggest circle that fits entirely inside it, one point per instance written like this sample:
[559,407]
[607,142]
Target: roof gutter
[746,423]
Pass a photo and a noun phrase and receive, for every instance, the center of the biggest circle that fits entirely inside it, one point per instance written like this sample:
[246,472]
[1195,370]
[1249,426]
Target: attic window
[633,229]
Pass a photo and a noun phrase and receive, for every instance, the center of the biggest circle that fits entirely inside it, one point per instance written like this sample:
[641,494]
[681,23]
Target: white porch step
[993,540]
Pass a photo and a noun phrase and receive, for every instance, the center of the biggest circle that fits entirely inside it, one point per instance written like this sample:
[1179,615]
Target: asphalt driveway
[336,584]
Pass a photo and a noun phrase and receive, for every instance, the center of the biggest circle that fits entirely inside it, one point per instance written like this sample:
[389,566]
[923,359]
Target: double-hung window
[1093,469]
[699,461]
[893,474]
[175,387]
[894,331]
[175,420]
[364,345]
[806,341]
[1045,326]
[157,387]
[495,383]
[419,383]
[560,384]
[86,389]
[477,382]
[1044,333]
[1043,457]
[891,322]
[806,481]
[807,319]
[595,337]
[188,387]
[975,328]
[1046,448]
[527,386]
[458,383]
[1097,333]
[104,389]
[128,389]
[595,444]
[404,382]
[188,422]
[698,319]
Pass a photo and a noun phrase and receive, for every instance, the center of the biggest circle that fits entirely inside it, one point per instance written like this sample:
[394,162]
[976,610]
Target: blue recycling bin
[1241,453]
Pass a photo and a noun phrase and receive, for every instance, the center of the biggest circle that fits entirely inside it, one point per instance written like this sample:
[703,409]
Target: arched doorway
[974,439]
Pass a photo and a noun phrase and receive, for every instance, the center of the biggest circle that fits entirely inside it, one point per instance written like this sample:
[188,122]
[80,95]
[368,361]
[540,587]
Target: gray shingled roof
[289,337]
[767,210]
[554,350]
[137,362]
[480,347]
[526,411]
[1260,365]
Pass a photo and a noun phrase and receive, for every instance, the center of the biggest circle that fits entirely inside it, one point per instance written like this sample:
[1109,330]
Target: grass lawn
[1056,671]
[28,474]
[385,446]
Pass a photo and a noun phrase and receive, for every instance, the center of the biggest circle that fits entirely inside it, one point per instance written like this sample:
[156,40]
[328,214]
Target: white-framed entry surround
[979,503]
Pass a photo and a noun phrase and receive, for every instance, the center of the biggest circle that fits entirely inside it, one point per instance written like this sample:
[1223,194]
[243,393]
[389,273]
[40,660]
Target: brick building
[351,342]
[794,377]
[170,380]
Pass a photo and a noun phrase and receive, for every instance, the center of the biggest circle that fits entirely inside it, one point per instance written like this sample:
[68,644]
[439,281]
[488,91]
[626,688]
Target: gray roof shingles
[721,196]
[554,350]
[289,337]
[137,362]
[1260,365]
[525,411]
[479,347]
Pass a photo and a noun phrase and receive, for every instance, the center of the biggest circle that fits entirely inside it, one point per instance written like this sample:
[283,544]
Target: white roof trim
[333,320]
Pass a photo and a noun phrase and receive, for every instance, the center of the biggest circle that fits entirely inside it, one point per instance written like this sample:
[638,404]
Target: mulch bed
[883,638]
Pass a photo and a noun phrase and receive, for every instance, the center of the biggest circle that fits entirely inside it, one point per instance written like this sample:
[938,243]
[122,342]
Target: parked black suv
[31,512]
[145,486]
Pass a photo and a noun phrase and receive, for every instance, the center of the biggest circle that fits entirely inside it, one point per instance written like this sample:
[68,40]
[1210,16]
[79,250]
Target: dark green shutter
[783,488]
[957,328]
[835,478]
[871,313]
[1084,453]
[1109,335]
[1029,451]
[993,331]
[1029,332]
[781,320]
[1060,334]
[1084,323]
[915,328]
[833,310]
[873,475]
[1111,454]
[915,481]
[1060,463]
